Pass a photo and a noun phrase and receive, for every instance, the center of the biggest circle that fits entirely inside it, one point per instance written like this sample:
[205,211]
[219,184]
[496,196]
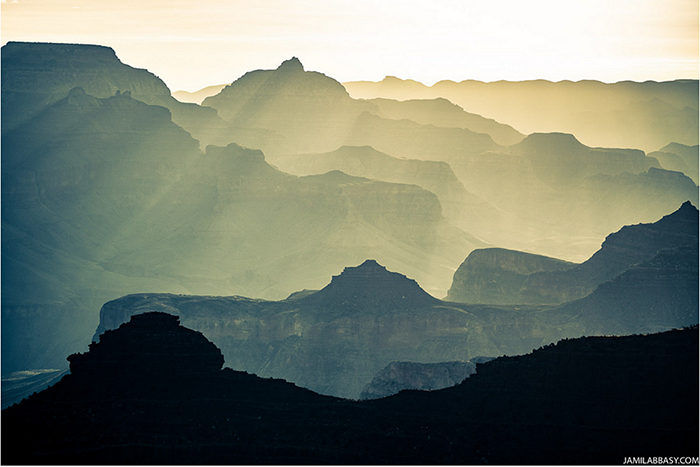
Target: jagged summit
[293,64]
[371,284]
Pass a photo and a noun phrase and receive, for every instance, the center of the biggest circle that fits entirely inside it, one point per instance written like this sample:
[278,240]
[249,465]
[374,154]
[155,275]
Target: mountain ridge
[117,406]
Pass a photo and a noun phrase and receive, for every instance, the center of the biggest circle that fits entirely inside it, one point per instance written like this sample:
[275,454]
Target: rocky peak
[291,65]
[371,285]
[150,343]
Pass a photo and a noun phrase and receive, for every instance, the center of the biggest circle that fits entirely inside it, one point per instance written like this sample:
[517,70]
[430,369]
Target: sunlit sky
[192,44]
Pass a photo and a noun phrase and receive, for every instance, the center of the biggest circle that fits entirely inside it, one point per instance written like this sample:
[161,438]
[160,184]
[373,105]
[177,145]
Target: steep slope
[129,401]
[19,385]
[645,298]
[631,245]
[441,112]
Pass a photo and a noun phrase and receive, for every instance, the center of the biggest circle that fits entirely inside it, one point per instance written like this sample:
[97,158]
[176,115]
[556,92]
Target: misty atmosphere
[293,269]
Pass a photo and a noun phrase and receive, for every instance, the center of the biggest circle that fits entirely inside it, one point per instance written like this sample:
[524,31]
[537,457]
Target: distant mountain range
[627,114]
[498,276]
[111,187]
[153,392]
[125,193]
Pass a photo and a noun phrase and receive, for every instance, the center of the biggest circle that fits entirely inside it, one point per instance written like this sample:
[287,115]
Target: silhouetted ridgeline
[153,392]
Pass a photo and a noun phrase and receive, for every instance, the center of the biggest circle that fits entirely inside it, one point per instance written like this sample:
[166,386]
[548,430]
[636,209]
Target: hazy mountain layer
[458,205]
[310,111]
[547,194]
[679,157]
[557,193]
[104,197]
[441,112]
[334,341]
[560,159]
[624,114]
[497,276]
[129,401]
[35,75]
[86,180]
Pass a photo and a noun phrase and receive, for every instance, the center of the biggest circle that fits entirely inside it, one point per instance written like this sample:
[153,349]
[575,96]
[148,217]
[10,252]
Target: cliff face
[398,376]
[153,392]
[495,276]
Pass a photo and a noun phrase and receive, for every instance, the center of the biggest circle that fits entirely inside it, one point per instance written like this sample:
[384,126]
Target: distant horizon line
[386,77]
[584,80]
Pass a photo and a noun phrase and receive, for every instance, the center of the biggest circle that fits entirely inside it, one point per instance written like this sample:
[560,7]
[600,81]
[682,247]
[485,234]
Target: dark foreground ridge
[153,392]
